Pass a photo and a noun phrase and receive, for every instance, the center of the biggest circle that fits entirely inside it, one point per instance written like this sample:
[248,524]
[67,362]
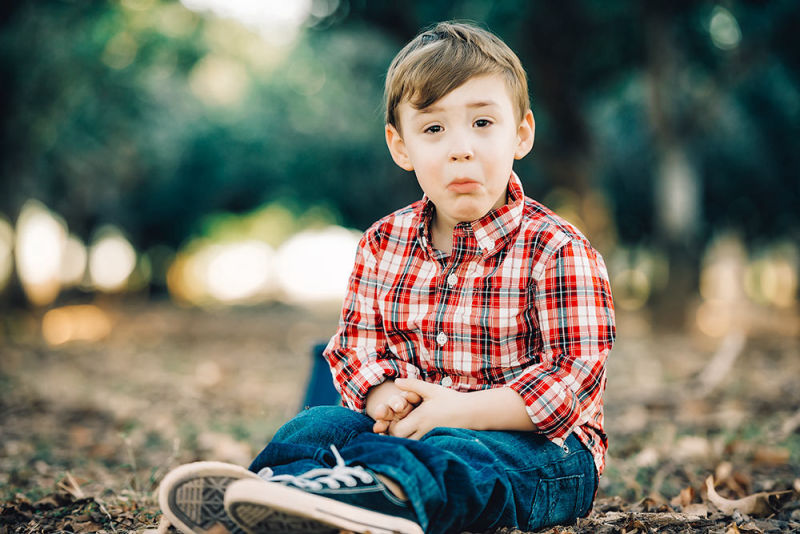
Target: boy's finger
[412,397]
[406,426]
[399,404]
[420,387]
[380,426]
[400,429]
[381,412]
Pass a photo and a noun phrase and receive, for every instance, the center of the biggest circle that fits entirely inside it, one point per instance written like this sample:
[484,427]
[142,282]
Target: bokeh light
[314,265]
[218,81]
[772,279]
[238,272]
[724,29]
[73,262]
[211,273]
[41,238]
[277,21]
[75,323]
[111,260]
[631,289]
[6,252]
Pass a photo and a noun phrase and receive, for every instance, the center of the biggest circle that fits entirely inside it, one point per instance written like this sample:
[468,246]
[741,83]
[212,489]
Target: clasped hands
[409,408]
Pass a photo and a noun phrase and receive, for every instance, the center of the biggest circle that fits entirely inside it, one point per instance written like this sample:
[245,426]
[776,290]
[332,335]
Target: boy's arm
[576,318]
[358,353]
[576,321]
[488,409]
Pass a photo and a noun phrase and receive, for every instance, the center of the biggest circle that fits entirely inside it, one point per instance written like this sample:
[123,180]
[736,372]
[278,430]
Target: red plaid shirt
[523,301]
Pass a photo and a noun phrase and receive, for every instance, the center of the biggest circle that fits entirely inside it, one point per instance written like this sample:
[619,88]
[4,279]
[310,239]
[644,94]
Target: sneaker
[325,500]
[192,496]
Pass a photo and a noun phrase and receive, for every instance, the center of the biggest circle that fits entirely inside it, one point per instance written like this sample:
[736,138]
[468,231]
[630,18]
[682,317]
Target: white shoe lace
[317,479]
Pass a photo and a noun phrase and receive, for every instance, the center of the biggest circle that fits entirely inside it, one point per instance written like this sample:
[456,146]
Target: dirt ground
[87,430]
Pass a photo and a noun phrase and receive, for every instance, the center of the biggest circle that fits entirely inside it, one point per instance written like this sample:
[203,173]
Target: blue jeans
[455,479]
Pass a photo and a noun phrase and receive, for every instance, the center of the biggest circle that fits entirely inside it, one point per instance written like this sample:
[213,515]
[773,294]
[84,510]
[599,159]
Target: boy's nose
[460,150]
[461,155]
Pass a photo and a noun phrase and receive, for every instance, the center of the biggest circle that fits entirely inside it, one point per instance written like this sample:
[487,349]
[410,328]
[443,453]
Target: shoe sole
[260,506]
[192,495]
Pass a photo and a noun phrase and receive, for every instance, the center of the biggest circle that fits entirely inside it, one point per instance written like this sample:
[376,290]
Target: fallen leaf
[695,510]
[774,456]
[85,527]
[758,504]
[684,498]
[723,471]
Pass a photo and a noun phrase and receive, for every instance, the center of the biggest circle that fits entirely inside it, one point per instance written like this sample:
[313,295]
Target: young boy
[471,350]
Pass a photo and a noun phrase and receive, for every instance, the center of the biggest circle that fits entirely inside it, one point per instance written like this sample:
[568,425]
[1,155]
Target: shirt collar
[492,231]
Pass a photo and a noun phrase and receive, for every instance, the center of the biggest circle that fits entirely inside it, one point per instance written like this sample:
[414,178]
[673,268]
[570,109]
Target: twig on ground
[71,486]
[721,363]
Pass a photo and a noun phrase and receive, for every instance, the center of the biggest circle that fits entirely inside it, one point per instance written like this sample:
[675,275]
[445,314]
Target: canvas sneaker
[192,496]
[325,500]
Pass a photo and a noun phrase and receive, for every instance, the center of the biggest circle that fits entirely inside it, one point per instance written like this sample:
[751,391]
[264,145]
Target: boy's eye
[482,123]
[433,129]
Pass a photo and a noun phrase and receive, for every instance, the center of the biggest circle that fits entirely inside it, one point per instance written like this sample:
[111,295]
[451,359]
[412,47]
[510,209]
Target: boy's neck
[442,235]
[442,229]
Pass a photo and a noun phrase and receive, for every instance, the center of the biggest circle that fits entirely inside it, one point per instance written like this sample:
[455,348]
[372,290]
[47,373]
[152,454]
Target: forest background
[182,185]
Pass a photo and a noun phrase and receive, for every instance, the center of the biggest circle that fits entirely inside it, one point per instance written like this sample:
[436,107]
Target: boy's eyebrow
[472,105]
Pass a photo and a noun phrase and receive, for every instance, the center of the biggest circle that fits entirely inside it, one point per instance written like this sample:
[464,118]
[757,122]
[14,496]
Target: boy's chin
[468,216]
[472,211]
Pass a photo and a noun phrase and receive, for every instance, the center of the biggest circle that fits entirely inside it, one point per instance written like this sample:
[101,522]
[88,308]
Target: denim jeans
[455,479]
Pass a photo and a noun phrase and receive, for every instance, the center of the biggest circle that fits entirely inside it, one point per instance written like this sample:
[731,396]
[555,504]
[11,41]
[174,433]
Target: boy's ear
[397,148]
[525,134]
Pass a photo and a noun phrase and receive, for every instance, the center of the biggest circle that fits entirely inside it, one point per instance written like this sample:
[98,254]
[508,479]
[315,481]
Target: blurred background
[211,164]
[230,152]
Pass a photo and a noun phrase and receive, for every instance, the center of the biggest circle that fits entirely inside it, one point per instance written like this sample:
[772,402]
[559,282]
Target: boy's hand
[386,404]
[393,410]
[440,406]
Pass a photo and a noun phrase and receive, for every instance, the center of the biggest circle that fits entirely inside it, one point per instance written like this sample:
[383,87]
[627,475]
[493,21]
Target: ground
[89,429]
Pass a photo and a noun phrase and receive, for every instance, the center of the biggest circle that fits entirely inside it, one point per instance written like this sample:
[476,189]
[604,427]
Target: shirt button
[441,338]
[447,381]
[452,279]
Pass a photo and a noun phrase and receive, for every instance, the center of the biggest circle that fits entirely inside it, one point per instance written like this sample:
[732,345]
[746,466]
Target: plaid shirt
[523,301]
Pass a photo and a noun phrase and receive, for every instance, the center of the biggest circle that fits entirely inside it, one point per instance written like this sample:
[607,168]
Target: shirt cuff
[370,374]
[552,406]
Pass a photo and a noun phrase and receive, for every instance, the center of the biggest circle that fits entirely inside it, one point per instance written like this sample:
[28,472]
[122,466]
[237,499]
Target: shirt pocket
[506,325]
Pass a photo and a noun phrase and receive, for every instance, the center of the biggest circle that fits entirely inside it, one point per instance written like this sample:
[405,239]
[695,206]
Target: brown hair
[443,58]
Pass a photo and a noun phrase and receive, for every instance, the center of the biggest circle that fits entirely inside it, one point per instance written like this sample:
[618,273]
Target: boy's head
[457,115]
[444,57]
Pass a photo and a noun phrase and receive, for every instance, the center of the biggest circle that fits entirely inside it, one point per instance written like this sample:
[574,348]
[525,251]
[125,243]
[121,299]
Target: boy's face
[462,148]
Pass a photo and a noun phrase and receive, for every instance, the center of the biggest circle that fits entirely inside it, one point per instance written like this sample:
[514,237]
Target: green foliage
[150,116]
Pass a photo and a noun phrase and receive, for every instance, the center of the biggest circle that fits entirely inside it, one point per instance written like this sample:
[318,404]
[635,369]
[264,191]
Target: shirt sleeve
[576,322]
[358,353]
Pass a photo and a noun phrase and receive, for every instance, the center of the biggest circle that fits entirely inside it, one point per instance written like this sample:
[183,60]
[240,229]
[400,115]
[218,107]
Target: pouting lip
[459,181]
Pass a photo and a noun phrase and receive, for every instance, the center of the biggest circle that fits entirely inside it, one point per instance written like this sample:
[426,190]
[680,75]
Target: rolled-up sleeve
[358,353]
[575,317]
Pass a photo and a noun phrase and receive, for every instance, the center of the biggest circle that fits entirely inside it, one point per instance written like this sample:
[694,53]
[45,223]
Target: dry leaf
[684,498]
[771,456]
[696,510]
[723,472]
[758,504]
[85,527]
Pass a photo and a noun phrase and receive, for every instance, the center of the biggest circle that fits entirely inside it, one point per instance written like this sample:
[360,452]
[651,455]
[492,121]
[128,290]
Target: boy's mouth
[463,185]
